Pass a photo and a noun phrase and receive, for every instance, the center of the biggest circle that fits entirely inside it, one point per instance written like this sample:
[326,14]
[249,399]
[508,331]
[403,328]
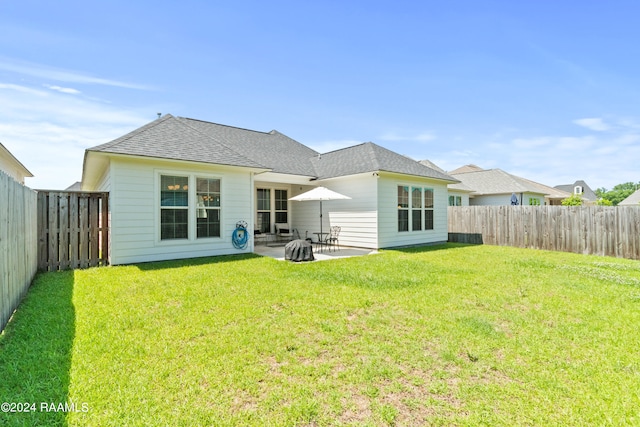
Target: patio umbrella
[319,193]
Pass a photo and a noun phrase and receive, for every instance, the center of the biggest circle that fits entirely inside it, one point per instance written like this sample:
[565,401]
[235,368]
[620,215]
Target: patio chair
[332,240]
[283,232]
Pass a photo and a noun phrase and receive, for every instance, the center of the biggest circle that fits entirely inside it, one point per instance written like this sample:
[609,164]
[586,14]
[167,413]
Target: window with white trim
[428,208]
[403,208]
[416,208]
[455,200]
[415,213]
[174,207]
[282,216]
[207,207]
[263,199]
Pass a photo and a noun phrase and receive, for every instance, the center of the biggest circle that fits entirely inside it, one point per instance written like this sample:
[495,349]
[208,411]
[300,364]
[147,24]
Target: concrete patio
[277,252]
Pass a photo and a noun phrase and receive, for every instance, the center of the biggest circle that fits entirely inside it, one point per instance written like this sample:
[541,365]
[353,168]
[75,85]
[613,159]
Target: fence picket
[600,230]
[71,232]
[18,245]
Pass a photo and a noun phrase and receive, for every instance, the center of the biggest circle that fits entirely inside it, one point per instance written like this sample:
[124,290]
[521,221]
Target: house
[458,194]
[496,187]
[76,186]
[580,187]
[632,200]
[179,186]
[12,166]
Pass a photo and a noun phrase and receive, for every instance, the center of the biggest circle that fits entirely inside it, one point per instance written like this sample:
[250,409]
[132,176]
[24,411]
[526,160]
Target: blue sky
[547,90]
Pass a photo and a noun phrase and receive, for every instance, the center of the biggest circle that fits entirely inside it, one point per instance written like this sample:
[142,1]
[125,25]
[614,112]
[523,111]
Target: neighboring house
[12,166]
[495,187]
[580,187]
[458,194]
[632,200]
[76,186]
[178,187]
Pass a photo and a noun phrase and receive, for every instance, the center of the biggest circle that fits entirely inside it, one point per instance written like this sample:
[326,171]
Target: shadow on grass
[431,247]
[191,262]
[35,353]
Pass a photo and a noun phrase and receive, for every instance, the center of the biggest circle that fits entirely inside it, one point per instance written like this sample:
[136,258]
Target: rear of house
[495,187]
[178,187]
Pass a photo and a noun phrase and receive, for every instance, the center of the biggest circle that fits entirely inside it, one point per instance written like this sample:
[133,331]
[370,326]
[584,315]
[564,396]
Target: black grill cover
[298,250]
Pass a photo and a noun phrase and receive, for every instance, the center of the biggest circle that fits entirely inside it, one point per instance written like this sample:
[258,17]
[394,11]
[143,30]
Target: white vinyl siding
[135,206]
[357,217]
[389,236]
[11,167]
[462,197]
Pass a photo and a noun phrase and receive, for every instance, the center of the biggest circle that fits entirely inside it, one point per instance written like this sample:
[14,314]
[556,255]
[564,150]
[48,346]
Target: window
[264,210]
[174,207]
[207,207]
[281,207]
[403,208]
[420,204]
[428,208]
[455,200]
[578,189]
[416,209]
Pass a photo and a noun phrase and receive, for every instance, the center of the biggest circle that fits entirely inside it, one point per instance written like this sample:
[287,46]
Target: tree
[618,193]
[573,200]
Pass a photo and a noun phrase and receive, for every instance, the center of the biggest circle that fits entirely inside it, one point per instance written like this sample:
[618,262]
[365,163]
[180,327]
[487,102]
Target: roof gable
[273,149]
[466,168]
[587,192]
[632,200]
[370,157]
[497,181]
[170,138]
[179,138]
[10,160]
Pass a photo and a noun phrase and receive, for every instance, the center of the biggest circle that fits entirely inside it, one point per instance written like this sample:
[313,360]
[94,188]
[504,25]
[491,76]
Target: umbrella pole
[320,223]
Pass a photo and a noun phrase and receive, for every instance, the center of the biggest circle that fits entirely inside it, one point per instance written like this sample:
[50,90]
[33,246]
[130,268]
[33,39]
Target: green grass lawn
[446,335]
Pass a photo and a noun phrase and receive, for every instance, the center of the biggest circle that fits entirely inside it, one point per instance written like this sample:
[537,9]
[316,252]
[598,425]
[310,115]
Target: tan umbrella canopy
[320,194]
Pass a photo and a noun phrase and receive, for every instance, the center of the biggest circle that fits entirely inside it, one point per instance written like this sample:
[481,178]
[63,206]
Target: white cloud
[68,76]
[594,123]
[48,131]
[23,89]
[602,161]
[68,90]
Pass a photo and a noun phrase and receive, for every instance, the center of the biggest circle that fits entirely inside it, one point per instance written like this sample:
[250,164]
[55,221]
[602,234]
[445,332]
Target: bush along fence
[73,230]
[598,230]
[18,244]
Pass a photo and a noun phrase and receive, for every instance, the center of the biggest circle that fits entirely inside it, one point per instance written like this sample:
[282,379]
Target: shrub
[573,200]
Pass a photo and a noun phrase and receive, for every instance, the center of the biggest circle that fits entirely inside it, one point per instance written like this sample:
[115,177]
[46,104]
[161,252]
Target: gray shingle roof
[369,157]
[497,181]
[632,200]
[588,193]
[275,150]
[180,138]
[171,138]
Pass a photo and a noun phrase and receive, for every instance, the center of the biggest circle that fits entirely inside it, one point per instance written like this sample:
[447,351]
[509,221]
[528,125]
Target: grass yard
[447,335]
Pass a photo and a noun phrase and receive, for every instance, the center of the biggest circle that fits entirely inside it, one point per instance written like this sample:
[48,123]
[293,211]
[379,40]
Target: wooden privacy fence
[73,230]
[18,249]
[599,230]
